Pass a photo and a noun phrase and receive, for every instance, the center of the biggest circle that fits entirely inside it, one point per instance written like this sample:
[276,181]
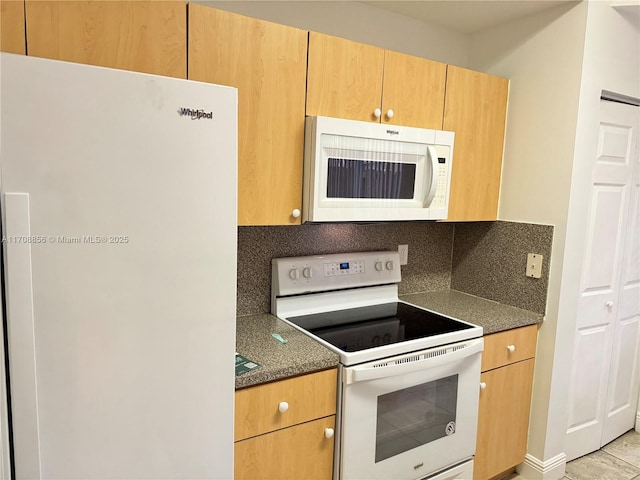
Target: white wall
[542,55]
[558,62]
[612,63]
[362,23]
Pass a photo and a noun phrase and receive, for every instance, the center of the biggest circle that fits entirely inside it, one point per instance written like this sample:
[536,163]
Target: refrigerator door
[119,242]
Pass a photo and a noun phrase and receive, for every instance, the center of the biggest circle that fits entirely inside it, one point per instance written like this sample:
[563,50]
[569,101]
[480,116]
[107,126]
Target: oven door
[408,416]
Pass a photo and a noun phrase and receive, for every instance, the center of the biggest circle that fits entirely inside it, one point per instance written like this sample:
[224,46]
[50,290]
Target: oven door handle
[370,372]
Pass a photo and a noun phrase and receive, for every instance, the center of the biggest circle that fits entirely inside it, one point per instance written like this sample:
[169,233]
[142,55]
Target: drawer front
[301,399]
[509,346]
[300,452]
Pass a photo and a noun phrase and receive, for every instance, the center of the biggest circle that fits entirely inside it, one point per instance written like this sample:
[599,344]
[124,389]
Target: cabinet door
[413,88]
[266,62]
[475,109]
[307,397]
[344,78]
[503,419]
[12,36]
[143,36]
[302,451]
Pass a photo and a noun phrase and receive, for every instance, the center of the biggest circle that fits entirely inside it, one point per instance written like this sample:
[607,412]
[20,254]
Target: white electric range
[409,377]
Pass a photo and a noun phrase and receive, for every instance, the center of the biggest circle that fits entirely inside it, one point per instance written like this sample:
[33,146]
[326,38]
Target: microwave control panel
[442,175]
[296,275]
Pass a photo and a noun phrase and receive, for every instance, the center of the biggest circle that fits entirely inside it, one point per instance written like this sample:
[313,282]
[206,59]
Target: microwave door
[431,176]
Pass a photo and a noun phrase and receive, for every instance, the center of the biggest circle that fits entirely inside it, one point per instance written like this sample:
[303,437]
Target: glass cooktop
[356,329]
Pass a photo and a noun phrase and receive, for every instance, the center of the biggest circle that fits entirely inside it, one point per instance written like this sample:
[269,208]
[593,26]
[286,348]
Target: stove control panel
[296,275]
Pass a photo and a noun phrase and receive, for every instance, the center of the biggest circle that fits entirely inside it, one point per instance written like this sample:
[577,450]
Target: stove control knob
[294,274]
[307,272]
[283,407]
[328,432]
[379,266]
[389,265]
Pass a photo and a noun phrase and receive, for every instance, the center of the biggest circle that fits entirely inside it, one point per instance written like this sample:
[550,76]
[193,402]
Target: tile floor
[618,460]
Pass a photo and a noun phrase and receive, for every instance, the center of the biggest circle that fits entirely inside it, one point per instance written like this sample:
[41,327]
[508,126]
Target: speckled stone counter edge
[301,354]
[492,316]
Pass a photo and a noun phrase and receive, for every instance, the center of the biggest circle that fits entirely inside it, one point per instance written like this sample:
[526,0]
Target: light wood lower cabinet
[505,401]
[300,452]
[285,429]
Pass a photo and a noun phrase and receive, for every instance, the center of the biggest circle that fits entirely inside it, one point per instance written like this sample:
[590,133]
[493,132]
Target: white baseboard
[535,469]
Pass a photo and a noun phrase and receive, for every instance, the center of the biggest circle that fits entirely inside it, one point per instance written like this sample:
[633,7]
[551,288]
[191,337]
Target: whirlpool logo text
[195,114]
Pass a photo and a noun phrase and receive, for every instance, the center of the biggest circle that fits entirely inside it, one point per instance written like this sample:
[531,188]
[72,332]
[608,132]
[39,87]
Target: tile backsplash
[429,243]
[490,259]
[486,259]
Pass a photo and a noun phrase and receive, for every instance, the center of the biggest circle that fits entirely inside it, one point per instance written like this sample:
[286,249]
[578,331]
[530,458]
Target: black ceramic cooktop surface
[356,329]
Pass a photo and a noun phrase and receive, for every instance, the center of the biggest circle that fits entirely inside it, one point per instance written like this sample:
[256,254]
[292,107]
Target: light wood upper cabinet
[12,36]
[475,109]
[344,78]
[347,79]
[413,88]
[267,63]
[143,36]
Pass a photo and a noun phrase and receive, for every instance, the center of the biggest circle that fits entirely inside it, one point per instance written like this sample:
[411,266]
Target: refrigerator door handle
[20,334]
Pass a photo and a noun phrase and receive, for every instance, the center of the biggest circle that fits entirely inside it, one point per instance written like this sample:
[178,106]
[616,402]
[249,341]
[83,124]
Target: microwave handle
[433,181]
[364,373]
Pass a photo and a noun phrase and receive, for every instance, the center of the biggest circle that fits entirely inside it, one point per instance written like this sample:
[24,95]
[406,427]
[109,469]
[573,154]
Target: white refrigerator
[118,202]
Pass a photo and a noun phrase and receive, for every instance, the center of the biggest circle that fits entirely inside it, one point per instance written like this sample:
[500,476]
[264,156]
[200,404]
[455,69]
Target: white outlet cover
[534,265]
[403,250]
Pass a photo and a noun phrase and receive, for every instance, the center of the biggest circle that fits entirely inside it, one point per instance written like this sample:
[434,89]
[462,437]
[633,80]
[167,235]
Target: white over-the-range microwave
[359,171]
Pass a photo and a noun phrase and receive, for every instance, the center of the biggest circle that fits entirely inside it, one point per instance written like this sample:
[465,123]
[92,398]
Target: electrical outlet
[403,250]
[534,265]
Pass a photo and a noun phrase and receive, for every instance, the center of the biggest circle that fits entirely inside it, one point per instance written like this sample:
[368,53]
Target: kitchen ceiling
[467,16]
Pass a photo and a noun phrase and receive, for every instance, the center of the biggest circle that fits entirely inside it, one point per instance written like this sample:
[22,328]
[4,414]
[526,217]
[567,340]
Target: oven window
[415,416]
[370,179]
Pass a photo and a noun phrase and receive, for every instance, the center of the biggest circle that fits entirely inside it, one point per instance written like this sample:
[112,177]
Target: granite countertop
[491,316]
[301,354]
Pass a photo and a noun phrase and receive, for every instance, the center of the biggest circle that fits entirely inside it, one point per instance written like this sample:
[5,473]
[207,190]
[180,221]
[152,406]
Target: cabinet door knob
[389,113]
[328,432]
[295,213]
[609,304]
[511,348]
[283,407]
[483,385]
[377,112]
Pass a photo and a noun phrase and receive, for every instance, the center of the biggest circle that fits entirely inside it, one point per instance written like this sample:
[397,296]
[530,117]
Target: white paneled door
[605,371]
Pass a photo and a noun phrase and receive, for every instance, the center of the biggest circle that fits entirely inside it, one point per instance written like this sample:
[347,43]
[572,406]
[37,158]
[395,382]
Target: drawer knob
[283,407]
[511,348]
[390,113]
[296,213]
[328,432]
[483,385]
[609,304]
[377,112]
